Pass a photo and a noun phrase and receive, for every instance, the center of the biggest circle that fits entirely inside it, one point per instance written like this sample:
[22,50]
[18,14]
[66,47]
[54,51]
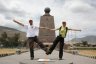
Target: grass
[87,52]
[9,51]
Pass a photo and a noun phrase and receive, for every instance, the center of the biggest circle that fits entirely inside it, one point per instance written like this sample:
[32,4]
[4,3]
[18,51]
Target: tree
[85,43]
[3,39]
[4,35]
[14,41]
[77,44]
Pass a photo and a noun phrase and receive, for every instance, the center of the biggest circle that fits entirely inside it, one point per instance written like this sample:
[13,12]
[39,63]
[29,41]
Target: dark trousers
[55,42]
[31,41]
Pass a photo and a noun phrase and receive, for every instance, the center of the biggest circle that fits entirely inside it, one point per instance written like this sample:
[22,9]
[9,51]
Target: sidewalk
[24,58]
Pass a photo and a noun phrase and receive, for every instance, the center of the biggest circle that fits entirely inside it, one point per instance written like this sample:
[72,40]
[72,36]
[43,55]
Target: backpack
[65,32]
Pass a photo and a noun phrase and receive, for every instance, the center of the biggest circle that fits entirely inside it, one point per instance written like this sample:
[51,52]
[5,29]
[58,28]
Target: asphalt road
[24,58]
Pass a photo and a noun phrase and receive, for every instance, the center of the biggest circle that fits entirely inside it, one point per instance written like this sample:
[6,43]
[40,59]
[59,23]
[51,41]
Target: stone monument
[47,20]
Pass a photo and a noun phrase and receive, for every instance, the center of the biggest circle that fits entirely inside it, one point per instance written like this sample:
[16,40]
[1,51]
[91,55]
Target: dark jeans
[31,41]
[55,42]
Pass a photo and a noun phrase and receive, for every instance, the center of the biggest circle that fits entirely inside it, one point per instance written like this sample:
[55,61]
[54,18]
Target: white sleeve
[26,26]
[37,28]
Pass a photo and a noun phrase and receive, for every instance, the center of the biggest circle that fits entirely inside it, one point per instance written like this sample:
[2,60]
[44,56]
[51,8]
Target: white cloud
[79,14]
[2,20]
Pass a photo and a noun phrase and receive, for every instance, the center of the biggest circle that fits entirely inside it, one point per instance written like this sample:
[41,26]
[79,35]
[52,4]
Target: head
[47,10]
[64,23]
[31,22]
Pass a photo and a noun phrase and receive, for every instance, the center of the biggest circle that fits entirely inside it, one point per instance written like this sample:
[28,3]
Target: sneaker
[32,58]
[60,59]
[48,52]
[72,63]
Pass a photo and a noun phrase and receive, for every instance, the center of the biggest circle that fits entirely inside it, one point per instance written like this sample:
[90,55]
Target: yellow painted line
[46,58]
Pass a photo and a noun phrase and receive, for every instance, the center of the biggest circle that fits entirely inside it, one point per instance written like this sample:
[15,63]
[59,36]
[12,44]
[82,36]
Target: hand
[78,30]
[14,20]
[52,29]
[75,30]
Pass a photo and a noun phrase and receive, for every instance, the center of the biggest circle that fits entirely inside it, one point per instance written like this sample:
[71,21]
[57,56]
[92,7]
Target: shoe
[60,59]
[32,58]
[72,63]
[48,52]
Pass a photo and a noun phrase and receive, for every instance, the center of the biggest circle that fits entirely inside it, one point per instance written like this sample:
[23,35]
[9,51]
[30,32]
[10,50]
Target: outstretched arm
[49,28]
[18,23]
[55,29]
[74,29]
[44,28]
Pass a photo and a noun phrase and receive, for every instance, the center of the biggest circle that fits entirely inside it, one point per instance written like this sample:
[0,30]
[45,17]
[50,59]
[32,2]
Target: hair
[63,22]
[30,20]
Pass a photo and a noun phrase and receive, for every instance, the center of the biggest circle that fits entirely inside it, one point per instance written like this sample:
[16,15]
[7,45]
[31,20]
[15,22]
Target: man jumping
[60,38]
[31,35]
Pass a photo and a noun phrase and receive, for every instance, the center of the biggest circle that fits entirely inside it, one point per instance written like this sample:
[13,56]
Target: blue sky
[79,14]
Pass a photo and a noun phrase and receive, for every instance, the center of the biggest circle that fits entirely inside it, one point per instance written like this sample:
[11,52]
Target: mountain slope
[90,39]
[11,31]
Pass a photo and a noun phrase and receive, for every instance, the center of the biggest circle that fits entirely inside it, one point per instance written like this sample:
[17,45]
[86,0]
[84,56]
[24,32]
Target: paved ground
[67,58]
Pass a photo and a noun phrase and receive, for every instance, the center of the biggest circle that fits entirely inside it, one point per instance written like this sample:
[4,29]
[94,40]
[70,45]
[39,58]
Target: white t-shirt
[31,30]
